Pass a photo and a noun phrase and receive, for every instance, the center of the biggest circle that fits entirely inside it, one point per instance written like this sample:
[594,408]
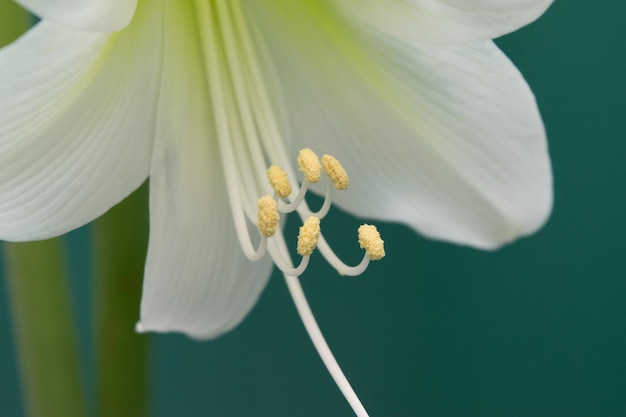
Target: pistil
[249,141]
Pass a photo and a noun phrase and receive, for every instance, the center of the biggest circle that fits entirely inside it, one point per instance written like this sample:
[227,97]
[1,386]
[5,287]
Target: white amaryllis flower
[436,126]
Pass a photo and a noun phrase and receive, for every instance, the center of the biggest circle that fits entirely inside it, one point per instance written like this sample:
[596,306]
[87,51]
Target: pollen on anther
[370,240]
[335,172]
[309,164]
[268,216]
[279,181]
[308,236]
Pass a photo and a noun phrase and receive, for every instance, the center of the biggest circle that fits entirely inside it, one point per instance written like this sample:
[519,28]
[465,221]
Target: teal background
[535,329]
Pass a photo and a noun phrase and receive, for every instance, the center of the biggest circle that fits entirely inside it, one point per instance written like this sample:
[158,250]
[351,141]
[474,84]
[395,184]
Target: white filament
[295,289]
[247,134]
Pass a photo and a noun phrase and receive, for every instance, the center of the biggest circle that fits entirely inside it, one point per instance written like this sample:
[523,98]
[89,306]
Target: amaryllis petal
[444,21]
[197,279]
[76,122]
[205,95]
[445,138]
[95,15]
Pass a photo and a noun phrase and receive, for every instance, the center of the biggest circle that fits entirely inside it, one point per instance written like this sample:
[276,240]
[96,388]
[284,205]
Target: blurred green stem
[40,302]
[13,21]
[43,327]
[120,241]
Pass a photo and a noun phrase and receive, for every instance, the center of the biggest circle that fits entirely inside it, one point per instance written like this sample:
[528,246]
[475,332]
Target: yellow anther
[309,164]
[268,216]
[335,172]
[308,236]
[279,181]
[370,240]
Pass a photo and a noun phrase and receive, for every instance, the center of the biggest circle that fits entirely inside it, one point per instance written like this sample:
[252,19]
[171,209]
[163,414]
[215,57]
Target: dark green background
[535,329]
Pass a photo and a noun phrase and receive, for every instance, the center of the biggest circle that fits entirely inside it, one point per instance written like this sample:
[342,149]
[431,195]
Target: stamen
[309,164]
[268,216]
[323,211]
[335,172]
[279,181]
[288,207]
[308,236]
[369,239]
[247,134]
[281,257]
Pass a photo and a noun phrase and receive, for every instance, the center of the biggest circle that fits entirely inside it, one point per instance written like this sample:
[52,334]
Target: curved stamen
[279,181]
[288,207]
[336,173]
[247,133]
[341,267]
[328,200]
[296,203]
[268,216]
[369,239]
[309,164]
[284,267]
[308,236]
[260,252]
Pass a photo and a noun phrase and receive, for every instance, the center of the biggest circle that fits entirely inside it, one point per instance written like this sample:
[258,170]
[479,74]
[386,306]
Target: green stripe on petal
[447,139]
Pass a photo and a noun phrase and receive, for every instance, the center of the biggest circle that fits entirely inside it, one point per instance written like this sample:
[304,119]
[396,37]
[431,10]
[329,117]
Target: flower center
[249,136]
[270,208]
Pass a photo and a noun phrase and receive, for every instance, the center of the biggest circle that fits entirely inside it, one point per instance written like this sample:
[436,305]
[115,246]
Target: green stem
[44,329]
[120,241]
[13,21]
[40,302]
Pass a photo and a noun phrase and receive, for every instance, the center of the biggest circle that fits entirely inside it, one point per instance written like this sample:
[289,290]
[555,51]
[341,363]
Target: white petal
[445,138]
[96,15]
[197,279]
[77,114]
[444,21]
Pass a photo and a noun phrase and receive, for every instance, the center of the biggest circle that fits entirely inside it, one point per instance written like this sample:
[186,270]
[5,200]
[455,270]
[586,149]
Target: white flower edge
[94,15]
[79,129]
[456,148]
[441,105]
[69,102]
[444,21]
